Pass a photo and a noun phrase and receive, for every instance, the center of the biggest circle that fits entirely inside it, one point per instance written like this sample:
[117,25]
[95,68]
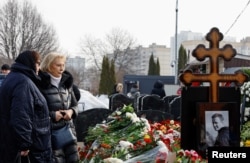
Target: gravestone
[117,101]
[139,101]
[152,102]
[175,108]
[199,103]
[167,100]
[89,118]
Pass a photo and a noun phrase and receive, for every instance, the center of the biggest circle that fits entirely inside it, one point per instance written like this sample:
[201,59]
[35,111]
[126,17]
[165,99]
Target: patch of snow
[104,99]
[88,101]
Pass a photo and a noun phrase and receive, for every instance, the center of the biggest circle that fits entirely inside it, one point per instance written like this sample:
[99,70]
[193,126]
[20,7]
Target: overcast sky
[149,21]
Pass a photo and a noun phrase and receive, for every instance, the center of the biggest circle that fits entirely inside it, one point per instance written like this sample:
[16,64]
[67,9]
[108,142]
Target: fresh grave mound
[127,138]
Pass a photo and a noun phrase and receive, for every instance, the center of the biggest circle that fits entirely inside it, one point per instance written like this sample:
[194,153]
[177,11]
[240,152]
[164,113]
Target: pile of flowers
[127,138]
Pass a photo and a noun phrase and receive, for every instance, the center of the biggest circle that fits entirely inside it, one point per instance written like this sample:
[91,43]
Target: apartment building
[140,56]
[76,62]
[160,52]
[166,55]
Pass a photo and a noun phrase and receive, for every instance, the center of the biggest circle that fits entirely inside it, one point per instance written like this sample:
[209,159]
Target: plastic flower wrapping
[127,138]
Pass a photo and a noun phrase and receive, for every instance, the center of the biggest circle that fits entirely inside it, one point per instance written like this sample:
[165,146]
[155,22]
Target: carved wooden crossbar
[213,53]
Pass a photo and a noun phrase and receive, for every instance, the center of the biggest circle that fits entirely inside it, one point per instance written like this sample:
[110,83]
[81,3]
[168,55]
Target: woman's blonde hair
[49,59]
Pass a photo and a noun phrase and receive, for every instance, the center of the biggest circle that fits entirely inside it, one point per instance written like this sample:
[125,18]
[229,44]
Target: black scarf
[27,59]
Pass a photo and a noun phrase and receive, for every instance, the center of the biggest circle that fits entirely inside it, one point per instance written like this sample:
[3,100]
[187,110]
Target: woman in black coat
[24,115]
[56,87]
[158,89]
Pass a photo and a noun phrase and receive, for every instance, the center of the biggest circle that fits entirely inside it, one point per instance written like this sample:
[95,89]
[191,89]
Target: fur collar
[67,79]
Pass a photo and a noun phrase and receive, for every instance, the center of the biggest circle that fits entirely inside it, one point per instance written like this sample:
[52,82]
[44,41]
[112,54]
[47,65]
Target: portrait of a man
[217,128]
[223,138]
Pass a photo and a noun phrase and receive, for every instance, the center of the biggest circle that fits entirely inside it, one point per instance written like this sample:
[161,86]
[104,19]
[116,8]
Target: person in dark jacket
[76,92]
[5,69]
[24,115]
[158,89]
[134,94]
[134,91]
[56,87]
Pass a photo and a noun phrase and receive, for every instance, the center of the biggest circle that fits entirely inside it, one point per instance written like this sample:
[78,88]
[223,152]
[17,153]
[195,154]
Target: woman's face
[57,67]
[37,66]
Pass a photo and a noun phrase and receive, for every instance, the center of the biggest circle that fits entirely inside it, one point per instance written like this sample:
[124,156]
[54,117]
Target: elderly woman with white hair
[56,86]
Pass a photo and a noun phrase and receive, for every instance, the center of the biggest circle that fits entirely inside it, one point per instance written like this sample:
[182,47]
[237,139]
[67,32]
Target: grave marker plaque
[198,104]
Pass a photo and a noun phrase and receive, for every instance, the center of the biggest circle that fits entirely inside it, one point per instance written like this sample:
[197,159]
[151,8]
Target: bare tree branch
[121,42]
[117,45]
[94,50]
[22,28]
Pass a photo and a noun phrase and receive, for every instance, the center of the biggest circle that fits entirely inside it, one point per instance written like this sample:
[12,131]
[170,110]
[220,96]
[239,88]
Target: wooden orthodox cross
[213,52]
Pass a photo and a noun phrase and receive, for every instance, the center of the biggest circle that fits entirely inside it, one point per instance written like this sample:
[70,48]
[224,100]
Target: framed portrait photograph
[218,125]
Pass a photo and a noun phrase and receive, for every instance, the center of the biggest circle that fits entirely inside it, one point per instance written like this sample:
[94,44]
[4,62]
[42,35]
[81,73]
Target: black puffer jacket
[24,117]
[59,99]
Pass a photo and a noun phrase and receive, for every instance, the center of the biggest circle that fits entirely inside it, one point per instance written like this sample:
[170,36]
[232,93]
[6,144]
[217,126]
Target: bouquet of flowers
[245,98]
[245,92]
[245,134]
[127,138]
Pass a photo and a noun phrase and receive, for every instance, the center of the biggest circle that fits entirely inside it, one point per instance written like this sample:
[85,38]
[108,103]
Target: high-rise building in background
[166,55]
[142,56]
[76,63]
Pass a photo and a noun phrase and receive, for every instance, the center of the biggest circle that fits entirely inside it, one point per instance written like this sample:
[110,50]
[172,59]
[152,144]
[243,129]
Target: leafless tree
[120,43]
[92,80]
[22,28]
[116,45]
[78,76]
[93,50]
